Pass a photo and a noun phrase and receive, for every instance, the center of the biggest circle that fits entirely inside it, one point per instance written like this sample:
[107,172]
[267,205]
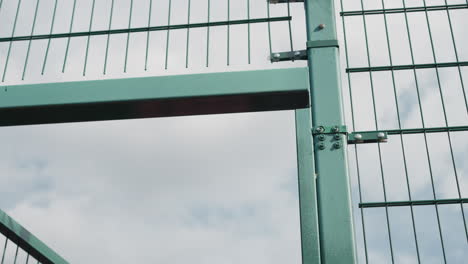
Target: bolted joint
[319,130]
[329,130]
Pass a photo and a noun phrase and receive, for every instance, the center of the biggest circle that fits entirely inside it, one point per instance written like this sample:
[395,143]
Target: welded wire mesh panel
[51,40]
[406,74]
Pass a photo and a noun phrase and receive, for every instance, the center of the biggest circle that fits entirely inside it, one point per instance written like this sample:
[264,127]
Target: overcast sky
[223,188]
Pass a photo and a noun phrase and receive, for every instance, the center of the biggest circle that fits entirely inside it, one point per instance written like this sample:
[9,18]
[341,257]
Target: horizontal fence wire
[109,36]
[406,73]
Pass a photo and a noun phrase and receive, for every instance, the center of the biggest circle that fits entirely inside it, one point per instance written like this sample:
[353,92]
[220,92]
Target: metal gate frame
[324,191]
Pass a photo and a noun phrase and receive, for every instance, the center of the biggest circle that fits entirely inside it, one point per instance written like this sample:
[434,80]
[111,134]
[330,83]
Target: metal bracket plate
[367,137]
[289,56]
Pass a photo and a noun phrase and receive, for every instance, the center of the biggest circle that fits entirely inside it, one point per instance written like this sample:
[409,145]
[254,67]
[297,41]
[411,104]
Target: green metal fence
[404,69]
[406,75]
[101,38]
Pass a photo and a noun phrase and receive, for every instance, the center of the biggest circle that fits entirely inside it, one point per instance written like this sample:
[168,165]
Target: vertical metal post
[333,191]
[310,245]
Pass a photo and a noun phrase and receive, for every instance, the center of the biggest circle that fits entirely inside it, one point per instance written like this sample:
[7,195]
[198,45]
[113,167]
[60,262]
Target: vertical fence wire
[353,123]
[89,36]
[189,7]
[4,250]
[106,56]
[208,34]
[150,11]
[168,33]
[128,35]
[68,40]
[11,43]
[228,32]
[30,41]
[44,62]
[384,190]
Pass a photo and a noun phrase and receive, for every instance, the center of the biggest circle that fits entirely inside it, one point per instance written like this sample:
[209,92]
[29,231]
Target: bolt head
[277,55]
[337,137]
[337,145]
[297,53]
[321,26]
[381,135]
[321,137]
[321,146]
[320,129]
[336,129]
[358,136]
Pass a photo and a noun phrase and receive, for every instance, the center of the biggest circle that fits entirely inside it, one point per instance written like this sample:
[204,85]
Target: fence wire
[406,73]
[98,38]
[12,253]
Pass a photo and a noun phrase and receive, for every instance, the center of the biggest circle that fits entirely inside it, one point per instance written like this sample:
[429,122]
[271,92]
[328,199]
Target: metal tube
[334,207]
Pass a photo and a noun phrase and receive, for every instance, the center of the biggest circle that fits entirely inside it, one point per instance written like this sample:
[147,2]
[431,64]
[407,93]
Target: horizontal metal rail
[419,130]
[159,96]
[408,67]
[403,10]
[147,29]
[417,202]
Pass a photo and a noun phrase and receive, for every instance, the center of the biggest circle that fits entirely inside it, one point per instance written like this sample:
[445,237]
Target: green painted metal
[27,241]
[420,86]
[403,10]
[414,202]
[146,29]
[288,56]
[310,243]
[154,96]
[426,130]
[367,137]
[334,206]
[409,67]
